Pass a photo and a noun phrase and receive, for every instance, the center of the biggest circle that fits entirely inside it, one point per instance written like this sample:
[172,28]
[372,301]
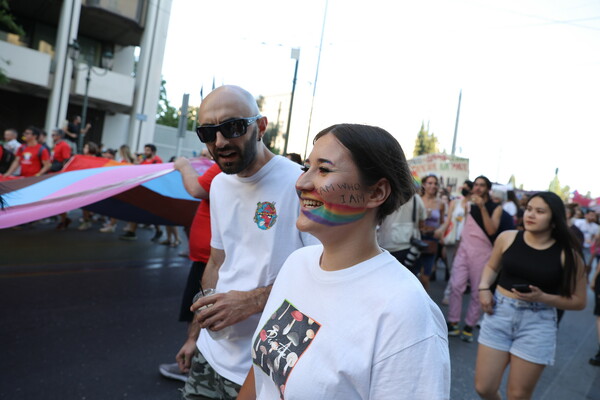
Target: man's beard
[246,156]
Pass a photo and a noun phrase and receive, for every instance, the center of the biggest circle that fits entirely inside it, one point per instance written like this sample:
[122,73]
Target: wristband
[482,289]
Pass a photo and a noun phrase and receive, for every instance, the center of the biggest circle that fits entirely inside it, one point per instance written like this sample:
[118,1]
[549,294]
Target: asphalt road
[85,315]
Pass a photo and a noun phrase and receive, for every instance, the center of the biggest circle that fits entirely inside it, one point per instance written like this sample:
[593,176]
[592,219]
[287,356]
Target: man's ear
[262,124]
[378,193]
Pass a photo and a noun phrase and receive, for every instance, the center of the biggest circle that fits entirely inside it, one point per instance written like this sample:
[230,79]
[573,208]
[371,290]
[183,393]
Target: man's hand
[185,354]
[226,309]
[181,163]
[477,200]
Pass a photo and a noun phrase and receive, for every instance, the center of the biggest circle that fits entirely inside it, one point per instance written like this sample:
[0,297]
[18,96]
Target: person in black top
[541,269]
[73,130]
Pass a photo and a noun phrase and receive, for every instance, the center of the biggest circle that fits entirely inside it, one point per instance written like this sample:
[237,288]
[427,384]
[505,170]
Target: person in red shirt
[199,247]
[150,156]
[32,157]
[62,150]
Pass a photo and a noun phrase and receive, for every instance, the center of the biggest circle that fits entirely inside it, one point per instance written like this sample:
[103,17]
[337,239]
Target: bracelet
[482,289]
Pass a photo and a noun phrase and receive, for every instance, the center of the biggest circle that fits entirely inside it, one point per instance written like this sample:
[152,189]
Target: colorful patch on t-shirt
[265,215]
[282,341]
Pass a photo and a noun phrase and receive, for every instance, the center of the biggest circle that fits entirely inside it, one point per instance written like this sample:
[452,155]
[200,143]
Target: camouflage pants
[204,382]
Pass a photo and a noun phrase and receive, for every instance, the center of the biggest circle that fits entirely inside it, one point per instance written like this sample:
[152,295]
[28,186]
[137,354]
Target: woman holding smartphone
[345,320]
[540,270]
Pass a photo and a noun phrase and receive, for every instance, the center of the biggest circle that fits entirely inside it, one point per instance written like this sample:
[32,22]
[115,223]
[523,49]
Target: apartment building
[49,83]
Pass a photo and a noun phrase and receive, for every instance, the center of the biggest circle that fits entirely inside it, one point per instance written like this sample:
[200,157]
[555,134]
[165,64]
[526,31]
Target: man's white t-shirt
[589,230]
[253,220]
[365,332]
[511,208]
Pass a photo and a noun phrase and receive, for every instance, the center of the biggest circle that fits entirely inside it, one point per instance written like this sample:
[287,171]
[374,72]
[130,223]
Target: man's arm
[190,178]
[86,129]
[185,354]
[46,164]
[209,280]
[490,223]
[69,133]
[227,308]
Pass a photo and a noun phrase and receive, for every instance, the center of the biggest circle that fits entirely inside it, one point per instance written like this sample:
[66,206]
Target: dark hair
[59,132]
[34,130]
[151,147]
[377,154]
[511,196]
[469,184]
[295,157]
[565,239]
[488,183]
[93,149]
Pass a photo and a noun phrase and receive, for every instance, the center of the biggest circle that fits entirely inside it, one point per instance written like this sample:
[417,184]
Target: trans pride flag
[152,194]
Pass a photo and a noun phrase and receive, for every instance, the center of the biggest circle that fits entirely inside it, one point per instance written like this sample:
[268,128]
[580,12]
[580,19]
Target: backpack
[6,160]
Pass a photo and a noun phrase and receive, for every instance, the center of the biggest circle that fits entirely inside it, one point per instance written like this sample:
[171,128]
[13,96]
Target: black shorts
[191,288]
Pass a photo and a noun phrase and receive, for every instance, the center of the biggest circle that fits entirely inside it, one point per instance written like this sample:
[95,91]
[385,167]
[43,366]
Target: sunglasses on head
[231,129]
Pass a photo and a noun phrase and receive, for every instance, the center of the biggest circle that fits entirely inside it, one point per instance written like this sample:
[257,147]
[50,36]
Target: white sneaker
[172,371]
[108,228]
[85,226]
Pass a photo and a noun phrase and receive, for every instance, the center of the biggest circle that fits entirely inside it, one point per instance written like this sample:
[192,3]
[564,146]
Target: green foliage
[8,24]
[270,138]
[426,143]
[166,114]
[7,20]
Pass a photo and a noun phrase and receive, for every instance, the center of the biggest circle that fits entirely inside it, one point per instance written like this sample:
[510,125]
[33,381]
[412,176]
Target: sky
[529,72]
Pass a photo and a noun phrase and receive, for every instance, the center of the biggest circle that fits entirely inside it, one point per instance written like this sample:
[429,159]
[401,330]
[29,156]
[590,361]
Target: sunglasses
[231,129]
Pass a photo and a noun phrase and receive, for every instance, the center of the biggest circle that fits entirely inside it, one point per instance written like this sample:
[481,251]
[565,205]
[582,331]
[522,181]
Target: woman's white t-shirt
[365,332]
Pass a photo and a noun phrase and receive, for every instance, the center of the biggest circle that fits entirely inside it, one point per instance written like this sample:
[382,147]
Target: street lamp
[107,61]
[295,56]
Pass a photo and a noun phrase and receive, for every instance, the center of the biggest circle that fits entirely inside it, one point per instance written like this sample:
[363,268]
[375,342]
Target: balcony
[25,65]
[105,86]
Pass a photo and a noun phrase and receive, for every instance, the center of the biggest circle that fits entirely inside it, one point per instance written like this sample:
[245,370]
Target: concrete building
[46,86]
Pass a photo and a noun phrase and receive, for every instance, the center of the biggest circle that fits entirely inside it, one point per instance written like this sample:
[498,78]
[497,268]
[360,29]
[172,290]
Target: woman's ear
[378,193]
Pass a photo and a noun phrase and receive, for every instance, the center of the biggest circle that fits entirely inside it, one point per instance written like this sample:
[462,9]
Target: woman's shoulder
[506,238]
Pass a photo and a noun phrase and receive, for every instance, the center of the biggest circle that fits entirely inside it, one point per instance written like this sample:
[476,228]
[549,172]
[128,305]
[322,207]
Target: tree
[7,23]
[166,114]
[426,143]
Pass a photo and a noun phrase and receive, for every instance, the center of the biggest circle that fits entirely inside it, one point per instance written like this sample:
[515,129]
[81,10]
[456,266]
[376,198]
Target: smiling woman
[344,319]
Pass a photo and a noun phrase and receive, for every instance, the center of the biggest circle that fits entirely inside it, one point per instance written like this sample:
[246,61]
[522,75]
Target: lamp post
[107,59]
[295,56]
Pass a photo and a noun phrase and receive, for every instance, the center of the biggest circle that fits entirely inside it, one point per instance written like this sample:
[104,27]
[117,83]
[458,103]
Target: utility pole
[295,56]
[456,123]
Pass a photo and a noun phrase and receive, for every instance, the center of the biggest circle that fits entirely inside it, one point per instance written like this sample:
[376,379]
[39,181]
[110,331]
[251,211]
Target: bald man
[253,212]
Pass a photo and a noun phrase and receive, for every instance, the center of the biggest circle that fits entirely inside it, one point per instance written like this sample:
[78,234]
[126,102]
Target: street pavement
[87,316]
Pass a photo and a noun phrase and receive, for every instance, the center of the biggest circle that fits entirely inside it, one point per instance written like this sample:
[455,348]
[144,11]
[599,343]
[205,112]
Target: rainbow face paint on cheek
[335,214]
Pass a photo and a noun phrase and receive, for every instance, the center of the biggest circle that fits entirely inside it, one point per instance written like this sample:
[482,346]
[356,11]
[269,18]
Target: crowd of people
[32,156]
[312,280]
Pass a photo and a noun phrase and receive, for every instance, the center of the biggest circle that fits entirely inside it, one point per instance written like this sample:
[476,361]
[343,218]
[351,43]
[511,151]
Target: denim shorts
[522,328]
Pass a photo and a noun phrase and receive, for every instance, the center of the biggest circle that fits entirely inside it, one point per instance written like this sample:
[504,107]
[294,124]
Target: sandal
[175,243]
[166,242]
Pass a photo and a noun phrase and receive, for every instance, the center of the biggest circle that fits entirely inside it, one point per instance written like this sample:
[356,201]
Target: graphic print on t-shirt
[265,215]
[282,341]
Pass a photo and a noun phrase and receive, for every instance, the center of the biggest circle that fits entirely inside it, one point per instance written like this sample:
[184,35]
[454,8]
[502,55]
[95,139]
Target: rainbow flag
[152,194]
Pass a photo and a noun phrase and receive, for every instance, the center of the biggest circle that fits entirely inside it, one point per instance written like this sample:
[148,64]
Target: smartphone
[522,287]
